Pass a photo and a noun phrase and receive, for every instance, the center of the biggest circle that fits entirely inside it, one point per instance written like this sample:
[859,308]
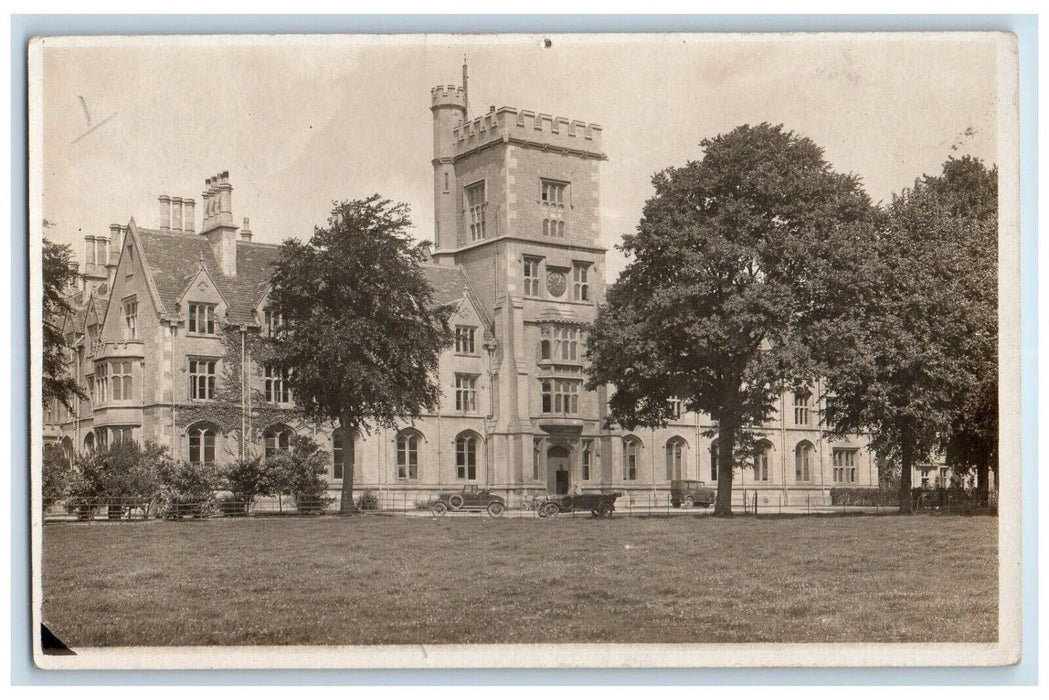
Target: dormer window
[271,322]
[202,319]
[464,340]
[130,318]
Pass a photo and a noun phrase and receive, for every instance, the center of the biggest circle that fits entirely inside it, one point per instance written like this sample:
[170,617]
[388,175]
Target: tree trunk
[907,450]
[983,485]
[726,447]
[346,504]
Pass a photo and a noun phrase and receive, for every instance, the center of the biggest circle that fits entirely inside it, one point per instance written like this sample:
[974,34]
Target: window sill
[563,363]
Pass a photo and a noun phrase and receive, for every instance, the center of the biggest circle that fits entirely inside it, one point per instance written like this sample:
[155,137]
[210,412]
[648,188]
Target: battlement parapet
[507,123]
[443,95]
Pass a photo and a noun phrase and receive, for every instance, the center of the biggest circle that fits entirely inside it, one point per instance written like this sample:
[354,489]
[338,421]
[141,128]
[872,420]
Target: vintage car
[469,498]
[691,493]
[600,505]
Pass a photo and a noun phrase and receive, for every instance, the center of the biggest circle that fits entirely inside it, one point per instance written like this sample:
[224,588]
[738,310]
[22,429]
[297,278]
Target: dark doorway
[557,470]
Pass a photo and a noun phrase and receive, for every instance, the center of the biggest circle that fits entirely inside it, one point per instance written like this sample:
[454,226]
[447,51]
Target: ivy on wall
[233,408]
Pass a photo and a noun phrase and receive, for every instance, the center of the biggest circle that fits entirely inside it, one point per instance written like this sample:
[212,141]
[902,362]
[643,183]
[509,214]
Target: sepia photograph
[453,351]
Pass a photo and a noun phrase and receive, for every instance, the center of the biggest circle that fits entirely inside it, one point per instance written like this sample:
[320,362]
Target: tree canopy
[359,330]
[720,268]
[909,347]
[59,276]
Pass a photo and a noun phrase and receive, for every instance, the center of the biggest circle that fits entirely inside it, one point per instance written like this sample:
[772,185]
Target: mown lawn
[376,580]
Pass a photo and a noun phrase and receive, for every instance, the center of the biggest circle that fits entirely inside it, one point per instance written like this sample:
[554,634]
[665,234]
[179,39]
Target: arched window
[586,459]
[67,449]
[714,460]
[676,450]
[201,440]
[466,456]
[277,438]
[408,454]
[803,461]
[762,450]
[631,457]
[338,455]
[89,442]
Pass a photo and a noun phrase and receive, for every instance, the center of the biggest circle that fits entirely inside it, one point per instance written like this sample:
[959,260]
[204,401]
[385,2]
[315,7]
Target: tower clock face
[555,284]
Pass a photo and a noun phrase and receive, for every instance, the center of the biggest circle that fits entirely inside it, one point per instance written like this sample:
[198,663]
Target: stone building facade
[517,253]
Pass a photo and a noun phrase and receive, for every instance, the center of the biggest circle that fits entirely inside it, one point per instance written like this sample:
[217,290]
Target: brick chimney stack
[245,230]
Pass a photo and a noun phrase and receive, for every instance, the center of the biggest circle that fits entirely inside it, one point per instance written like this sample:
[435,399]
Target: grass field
[374,580]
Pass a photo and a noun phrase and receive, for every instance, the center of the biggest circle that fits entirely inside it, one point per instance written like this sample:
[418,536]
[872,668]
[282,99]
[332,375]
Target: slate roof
[174,259]
[77,311]
[449,283]
[100,301]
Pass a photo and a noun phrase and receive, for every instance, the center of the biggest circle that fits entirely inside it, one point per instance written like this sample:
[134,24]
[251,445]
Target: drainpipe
[783,443]
[490,347]
[439,444]
[76,406]
[243,392]
[823,445]
[171,384]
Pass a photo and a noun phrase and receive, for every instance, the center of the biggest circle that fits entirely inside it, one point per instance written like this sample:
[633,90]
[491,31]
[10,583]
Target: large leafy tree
[707,309]
[59,276]
[908,346]
[360,331]
[968,190]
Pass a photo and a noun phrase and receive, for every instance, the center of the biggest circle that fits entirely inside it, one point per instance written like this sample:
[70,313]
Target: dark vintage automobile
[600,505]
[469,498]
[691,493]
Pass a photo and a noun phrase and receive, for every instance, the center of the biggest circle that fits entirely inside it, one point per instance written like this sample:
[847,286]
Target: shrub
[368,500]
[120,477]
[247,479]
[186,490]
[299,473]
[56,472]
[864,497]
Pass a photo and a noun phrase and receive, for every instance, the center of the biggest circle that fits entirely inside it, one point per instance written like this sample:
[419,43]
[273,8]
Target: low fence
[406,504]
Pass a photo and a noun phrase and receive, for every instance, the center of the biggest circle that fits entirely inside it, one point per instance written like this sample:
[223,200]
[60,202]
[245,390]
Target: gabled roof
[174,259]
[100,301]
[450,284]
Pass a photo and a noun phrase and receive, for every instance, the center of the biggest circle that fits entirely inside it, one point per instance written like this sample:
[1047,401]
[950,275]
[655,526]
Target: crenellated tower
[448,105]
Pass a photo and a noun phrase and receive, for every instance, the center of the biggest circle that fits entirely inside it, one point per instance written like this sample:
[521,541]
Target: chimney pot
[245,231]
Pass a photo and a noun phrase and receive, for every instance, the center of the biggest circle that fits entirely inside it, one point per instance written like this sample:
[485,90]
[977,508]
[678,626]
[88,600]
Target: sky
[302,121]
